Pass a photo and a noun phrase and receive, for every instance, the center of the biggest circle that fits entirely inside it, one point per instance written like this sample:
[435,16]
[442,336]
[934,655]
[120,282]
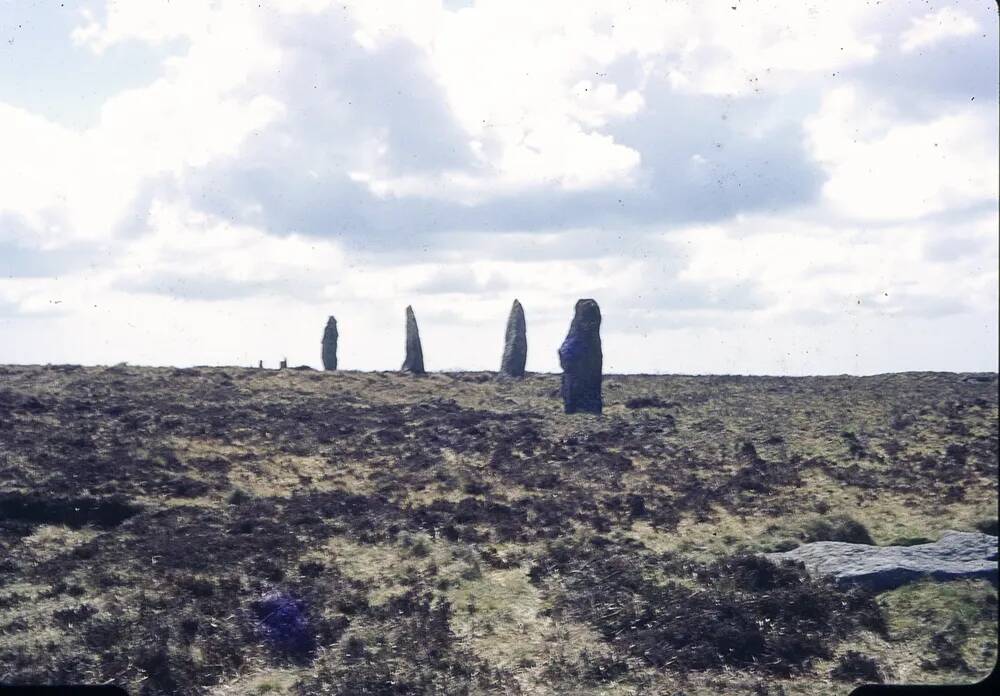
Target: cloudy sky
[745,187]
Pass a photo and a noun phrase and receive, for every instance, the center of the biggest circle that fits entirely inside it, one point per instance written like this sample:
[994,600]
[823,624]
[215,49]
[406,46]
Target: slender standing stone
[283,364]
[515,345]
[330,345]
[581,360]
[414,362]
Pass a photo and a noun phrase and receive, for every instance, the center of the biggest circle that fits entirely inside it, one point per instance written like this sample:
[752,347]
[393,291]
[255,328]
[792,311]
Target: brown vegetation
[459,534]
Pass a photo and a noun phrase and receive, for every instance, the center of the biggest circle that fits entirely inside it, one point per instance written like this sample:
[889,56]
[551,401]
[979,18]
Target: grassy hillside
[243,531]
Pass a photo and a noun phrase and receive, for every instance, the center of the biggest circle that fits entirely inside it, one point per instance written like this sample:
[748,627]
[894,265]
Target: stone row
[579,355]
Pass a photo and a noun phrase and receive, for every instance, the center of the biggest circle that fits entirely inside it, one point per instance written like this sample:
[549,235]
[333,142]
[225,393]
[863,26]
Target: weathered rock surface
[330,344]
[955,556]
[515,345]
[581,360]
[414,362]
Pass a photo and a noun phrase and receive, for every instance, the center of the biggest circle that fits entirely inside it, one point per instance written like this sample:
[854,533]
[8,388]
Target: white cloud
[881,166]
[529,82]
[823,299]
[38,160]
[933,27]
[202,21]
[804,267]
[591,128]
[69,184]
[181,242]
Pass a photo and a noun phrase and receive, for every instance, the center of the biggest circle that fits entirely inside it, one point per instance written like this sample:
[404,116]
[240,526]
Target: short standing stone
[330,345]
[515,345]
[414,362]
[283,364]
[581,360]
[955,556]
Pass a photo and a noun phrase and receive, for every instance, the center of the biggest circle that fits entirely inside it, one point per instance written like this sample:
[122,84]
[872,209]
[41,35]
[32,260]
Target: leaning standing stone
[414,362]
[330,345]
[581,360]
[515,345]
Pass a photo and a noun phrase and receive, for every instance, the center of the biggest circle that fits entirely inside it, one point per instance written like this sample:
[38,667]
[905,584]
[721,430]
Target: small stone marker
[414,362]
[955,556]
[283,364]
[260,364]
[581,360]
[515,345]
[330,344]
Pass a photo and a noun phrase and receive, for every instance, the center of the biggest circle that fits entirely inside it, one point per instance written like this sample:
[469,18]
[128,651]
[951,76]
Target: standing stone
[330,345]
[283,364]
[515,345]
[414,362]
[581,360]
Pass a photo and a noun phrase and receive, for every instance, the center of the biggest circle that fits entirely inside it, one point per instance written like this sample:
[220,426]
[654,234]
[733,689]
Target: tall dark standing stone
[515,344]
[581,360]
[330,345]
[414,362]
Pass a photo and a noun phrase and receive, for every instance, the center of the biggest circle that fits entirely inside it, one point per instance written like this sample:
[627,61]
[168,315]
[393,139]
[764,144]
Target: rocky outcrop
[955,556]
[581,360]
[414,362]
[515,344]
[330,344]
